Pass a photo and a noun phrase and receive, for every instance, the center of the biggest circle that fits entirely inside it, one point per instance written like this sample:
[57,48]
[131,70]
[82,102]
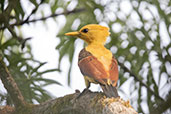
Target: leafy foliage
[28,77]
[22,65]
[140,40]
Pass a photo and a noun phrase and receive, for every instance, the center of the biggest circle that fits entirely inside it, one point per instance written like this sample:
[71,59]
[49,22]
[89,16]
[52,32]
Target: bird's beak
[72,34]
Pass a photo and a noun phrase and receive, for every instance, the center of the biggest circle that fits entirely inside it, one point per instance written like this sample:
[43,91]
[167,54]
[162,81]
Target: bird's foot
[82,93]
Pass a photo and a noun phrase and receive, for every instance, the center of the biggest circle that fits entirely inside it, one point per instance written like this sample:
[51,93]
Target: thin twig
[33,11]
[44,18]
[5,20]
[137,79]
[19,39]
[163,106]
[12,32]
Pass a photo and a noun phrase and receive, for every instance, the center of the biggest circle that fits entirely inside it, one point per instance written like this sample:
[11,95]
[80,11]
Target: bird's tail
[110,91]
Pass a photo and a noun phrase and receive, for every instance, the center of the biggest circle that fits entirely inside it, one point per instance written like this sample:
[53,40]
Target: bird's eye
[85,30]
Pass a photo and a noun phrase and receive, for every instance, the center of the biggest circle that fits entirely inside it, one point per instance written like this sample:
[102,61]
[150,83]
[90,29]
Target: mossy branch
[11,86]
[89,103]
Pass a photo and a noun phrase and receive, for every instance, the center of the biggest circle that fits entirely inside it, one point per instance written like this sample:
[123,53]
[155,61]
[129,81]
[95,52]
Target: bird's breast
[106,62]
[102,54]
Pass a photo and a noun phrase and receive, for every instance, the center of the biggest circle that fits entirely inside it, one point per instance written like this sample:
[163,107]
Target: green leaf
[19,11]
[10,42]
[49,81]
[48,71]
[2,5]
[34,2]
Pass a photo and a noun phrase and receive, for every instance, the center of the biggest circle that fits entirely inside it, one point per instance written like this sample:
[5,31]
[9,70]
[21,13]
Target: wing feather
[90,66]
[114,74]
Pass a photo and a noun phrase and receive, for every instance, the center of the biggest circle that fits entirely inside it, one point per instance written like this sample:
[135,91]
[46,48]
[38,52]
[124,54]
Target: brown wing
[90,66]
[114,72]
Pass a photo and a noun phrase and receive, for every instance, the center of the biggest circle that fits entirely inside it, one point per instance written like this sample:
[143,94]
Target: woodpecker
[96,63]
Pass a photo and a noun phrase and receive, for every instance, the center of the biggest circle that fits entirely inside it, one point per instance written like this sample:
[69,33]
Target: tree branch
[89,103]
[11,86]
[137,79]
[163,106]
[19,39]
[7,11]
[34,10]
[44,18]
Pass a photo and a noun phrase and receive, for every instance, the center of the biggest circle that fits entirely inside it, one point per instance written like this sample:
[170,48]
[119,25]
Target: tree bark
[89,103]
[11,86]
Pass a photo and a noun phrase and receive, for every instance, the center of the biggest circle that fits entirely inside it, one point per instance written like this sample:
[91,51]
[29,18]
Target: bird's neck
[101,53]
